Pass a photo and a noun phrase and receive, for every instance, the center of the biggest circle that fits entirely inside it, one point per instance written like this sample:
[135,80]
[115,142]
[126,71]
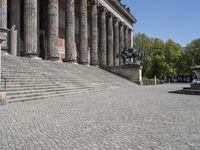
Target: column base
[83,63]
[95,65]
[31,55]
[53,58]
[69,61]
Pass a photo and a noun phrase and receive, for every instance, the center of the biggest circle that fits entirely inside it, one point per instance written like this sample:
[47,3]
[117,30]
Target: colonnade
[108,34]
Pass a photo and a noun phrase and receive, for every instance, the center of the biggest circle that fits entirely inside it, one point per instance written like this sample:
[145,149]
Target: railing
[5,82]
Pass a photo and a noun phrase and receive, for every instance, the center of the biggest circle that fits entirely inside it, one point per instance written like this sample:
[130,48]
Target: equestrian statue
[128,54]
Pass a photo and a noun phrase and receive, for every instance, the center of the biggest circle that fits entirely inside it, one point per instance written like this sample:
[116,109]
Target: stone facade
[83,31]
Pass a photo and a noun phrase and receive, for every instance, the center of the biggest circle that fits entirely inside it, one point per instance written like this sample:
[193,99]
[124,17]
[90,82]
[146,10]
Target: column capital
[94,2]
[109,14]
[102,9]
[129,29]
[116,20]
[126,27]
[122,24]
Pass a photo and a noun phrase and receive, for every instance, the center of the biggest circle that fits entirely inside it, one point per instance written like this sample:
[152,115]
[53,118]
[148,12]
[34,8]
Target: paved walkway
[141,118]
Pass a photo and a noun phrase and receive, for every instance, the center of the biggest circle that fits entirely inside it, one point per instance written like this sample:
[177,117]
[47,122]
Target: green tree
[159,65]
[173,53]
[190,57]
[144,45]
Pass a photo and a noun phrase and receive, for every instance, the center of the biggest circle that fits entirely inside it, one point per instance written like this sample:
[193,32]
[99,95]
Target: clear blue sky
[178,20]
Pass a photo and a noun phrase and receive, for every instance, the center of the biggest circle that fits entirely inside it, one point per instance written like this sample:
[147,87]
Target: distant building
[83,31]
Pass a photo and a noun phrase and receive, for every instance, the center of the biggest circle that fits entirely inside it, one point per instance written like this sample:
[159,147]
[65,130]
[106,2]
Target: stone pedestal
[194,89]
[3,37]
[3,100]
[130,72]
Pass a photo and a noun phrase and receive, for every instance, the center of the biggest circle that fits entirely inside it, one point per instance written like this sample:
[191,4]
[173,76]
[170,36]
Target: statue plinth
[3,37]
[194,89]
[132,72]
[3,34]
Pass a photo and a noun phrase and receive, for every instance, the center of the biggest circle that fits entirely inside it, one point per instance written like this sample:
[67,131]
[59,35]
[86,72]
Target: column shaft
[94,34]
[15,20]
[30,27]
[103,41]
[3,20]
[126,37]
[110,39]
[116,42]
[3,14]
[129,37]
[70,31]
[53,27]
[121,40]
[83,32]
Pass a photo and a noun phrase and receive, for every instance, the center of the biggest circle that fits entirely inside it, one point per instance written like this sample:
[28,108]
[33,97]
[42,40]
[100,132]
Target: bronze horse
[130,54]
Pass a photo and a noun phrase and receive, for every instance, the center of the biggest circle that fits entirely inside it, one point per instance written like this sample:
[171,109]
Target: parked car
[196,81]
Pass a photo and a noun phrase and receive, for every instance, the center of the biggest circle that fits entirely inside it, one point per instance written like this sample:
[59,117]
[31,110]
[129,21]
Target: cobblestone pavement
[141,118]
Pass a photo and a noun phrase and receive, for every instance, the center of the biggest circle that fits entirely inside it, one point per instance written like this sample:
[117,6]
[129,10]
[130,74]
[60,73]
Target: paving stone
[123,118]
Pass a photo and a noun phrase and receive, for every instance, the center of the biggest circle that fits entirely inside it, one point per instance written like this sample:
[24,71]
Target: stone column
[83,32]
[94,33]
[3,19]
[30,28]
[126,37]
[129,38]
[103,41]
[3,14]
[13,41]
[53,27]
[15,20]
[116,41]
[121,40]
[70,31]
[110,39]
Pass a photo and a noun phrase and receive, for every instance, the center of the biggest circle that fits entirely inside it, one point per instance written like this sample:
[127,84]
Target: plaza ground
[138,118]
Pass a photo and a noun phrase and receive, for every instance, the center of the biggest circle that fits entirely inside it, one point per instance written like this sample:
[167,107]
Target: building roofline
[124,10]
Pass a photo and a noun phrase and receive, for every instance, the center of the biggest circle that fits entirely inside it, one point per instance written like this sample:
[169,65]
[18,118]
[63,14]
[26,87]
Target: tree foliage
[166,58]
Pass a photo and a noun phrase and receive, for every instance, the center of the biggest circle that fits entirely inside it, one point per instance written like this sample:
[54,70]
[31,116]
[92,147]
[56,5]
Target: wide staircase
[32,79]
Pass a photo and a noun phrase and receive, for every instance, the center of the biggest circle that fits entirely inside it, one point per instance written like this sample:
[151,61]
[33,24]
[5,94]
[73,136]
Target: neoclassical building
[83,31]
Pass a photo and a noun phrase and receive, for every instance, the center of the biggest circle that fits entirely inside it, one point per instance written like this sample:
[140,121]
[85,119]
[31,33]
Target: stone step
[20,92]
[20,88]
[40,97]
[63,84]
[29,79]
[49,94]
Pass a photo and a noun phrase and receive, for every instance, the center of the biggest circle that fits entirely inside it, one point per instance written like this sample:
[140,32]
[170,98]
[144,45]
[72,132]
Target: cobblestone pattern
[140,118]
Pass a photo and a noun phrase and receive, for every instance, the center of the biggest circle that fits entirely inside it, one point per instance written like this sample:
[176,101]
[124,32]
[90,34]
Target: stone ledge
[129,72]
